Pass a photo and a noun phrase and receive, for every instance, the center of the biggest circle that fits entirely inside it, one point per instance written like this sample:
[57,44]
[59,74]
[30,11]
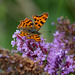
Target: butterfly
[30,29]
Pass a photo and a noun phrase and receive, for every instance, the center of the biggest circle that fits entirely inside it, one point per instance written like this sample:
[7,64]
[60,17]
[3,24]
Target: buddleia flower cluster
[58,62]
[58,56]
[14,64]
[37,51]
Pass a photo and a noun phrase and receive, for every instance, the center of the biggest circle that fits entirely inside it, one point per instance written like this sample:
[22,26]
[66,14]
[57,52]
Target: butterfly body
[34,32]
[30,29]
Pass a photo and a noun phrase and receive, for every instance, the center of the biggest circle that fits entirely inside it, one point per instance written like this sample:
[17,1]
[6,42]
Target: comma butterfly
[30,29]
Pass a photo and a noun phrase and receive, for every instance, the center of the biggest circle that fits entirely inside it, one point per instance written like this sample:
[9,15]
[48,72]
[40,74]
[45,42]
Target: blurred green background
[12,11]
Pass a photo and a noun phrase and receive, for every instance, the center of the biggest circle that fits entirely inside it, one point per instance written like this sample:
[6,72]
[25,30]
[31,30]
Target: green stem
[46,57]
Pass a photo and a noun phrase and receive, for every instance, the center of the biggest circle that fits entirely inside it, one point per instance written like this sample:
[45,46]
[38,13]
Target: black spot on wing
[29,36]
[45,18]
[35,19]
[42,22]
[27,21]
[39,25]
[23,24]
[35,22]
[31,23]
[37,36]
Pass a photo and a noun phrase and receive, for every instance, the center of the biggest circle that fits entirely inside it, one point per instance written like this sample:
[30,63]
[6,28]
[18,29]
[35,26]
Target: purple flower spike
[13,43]
[53,23]
[58,63]
[30,48]
[58,19]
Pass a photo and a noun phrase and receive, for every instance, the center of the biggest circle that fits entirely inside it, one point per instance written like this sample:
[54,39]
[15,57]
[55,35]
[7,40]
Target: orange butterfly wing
[36,37]
[26,24]
[29,29]
[24,33]
[39,20]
